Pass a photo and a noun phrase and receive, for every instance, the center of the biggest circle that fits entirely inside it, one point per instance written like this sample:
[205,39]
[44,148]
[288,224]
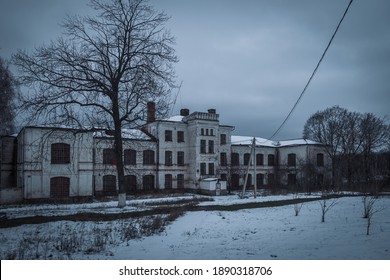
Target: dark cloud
[251,59]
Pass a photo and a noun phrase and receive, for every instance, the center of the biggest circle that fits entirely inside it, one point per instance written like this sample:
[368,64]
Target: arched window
[130,157]
[259,159]
[271,160]
[292,159]
[168,181]
[109,156]
[60,153]
[109,185]
[235,159]
[148,157]
[59,187]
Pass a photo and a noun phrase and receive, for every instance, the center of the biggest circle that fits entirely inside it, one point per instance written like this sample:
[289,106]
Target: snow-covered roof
[135,134]
[247,140]
[177,118]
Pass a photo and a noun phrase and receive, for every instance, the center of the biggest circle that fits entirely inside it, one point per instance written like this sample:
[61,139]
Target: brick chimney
[151,112]
[184,112]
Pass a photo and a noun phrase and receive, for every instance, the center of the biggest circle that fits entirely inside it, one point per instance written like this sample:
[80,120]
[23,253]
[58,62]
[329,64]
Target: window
[211,168]
[168,181]
[249,181]
[202,168]
[148,157]
[130,157]
[235,181]
[109,185]
[180,158]
[59,187]
[109,156]
[130,184]
[168,158]
[168,135]
[271,160]
[235,159]
[260,179]
[202,146]
[223,139]
[148,182]
[201,131]
[211,146]
[246,158]
[320,159]
[291,160]
[259,159]
[212,132]
[223,160]
[180,181]
[60,153]
[180,136]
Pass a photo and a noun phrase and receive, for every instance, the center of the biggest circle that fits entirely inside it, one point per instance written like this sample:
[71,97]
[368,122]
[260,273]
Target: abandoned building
[189,152]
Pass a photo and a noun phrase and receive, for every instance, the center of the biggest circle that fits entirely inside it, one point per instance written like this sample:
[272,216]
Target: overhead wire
[312,75]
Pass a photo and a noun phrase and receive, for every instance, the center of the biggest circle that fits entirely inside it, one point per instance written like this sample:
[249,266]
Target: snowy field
[260,233]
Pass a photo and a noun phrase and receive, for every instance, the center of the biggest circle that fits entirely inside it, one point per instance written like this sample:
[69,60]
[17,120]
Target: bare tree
[326,203]
[7,94]
[326,127]
[102,72]
[369,209]
[374,136]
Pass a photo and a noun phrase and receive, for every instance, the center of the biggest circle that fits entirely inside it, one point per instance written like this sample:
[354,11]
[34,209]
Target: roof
[247,140]
[134,134]
[177,118]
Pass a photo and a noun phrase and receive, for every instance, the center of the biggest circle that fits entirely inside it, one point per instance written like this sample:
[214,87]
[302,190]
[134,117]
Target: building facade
[184,152]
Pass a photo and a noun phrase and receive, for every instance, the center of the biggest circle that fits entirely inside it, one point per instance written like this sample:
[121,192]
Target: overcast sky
[250,59]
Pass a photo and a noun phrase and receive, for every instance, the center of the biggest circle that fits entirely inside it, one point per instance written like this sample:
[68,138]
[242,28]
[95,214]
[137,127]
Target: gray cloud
[251,59]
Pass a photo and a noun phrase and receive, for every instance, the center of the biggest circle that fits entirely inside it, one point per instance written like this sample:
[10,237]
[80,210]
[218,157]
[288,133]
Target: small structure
[212,186]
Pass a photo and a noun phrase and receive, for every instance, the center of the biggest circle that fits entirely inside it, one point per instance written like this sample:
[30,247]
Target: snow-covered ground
[260,233]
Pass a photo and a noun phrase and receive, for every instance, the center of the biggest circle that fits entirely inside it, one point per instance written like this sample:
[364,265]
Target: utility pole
[251,158]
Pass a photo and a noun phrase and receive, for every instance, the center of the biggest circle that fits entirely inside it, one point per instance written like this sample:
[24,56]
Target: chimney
[184,112]
[212,111]
[151,112]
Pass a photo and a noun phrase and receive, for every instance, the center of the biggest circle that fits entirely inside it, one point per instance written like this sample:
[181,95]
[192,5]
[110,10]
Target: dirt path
[170,209]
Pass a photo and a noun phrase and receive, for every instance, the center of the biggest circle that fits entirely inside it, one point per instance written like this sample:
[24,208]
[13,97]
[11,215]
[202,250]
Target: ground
[195,227]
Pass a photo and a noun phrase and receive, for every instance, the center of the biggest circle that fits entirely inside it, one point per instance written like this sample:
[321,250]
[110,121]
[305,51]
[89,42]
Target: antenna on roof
[177,94]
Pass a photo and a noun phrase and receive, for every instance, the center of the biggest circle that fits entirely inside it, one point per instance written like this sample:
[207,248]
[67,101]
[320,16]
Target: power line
[312,75]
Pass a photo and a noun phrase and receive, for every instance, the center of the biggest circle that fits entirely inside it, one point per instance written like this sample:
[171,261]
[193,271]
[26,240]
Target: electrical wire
[312,75]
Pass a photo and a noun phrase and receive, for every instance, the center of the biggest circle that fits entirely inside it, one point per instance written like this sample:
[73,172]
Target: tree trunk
[118,142]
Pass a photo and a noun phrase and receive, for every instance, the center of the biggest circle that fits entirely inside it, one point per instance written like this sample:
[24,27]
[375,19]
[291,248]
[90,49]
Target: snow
[258,233]
[247,140]
[175,119]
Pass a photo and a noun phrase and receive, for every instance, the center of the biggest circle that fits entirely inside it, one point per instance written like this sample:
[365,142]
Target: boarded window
[60,153]
[259,159]
[130,157]
[180,158]
[168,135]
[180,136]
[292,160]
[168,181]
[148,157]
[223,139]
[202,146]
[246,158]
[260,179]
[271,160]
[235,159]
[109,156]
[168,158]
[59,187]
[109,185]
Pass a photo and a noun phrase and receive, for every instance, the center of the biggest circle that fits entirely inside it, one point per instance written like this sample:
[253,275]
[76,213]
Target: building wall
[36,169]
